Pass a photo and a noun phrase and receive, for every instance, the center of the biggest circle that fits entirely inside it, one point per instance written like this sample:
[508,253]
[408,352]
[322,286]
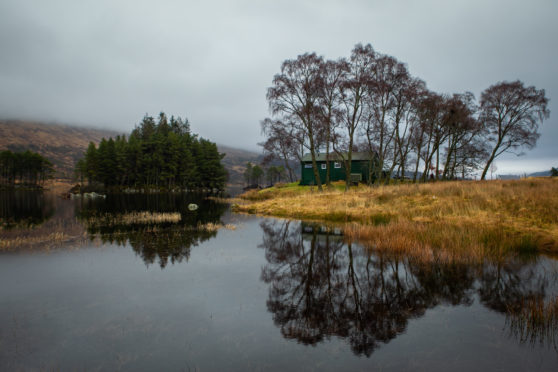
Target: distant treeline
[163,155]
[24,168]
[254,174]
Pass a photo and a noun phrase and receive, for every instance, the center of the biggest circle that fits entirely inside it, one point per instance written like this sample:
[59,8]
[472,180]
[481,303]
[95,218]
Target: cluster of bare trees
[370,102]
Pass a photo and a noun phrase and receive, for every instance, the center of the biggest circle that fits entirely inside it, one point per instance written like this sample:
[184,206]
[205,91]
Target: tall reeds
[535,321]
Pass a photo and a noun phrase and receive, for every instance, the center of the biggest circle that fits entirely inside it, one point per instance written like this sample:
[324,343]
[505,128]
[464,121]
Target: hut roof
[335,157]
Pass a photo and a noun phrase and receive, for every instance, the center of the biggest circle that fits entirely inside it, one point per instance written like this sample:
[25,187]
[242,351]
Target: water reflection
[159,227]
[24,208]
[321,287]
[534,321]
[37,221]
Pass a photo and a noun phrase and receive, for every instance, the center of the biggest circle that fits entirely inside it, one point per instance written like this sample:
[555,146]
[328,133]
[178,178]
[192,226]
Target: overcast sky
[107,63]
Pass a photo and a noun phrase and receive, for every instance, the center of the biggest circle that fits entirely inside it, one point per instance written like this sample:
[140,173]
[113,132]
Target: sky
[107,63]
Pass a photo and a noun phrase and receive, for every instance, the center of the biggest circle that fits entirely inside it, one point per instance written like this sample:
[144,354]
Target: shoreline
[470,218]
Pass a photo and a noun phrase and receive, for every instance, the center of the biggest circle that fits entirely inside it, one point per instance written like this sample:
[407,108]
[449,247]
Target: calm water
[269,295]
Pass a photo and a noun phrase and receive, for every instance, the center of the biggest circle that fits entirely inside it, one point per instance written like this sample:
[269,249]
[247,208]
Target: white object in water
[192,206]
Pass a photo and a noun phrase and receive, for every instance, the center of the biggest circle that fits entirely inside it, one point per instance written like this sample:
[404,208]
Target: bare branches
[372,100]
[512,113]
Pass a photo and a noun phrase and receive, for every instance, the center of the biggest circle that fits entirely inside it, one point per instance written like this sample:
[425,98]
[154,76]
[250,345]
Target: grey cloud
[106,63]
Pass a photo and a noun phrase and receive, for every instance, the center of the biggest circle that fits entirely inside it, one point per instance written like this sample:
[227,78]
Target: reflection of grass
[470,218]
[535,321]
[51,235]
[438,241]
[69,232]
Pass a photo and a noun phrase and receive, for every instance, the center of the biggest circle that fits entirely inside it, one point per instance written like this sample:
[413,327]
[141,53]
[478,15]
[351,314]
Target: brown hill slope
[64,145]
[235,163]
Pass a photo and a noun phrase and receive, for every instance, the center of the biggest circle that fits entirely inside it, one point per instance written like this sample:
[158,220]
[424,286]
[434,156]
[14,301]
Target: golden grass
[135,218]
[57,233]
[438,242]
[470,217]
[46,237]
[152,219]
[210,226]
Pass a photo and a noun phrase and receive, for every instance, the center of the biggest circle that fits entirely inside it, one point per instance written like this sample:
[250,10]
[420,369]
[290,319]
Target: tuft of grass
[534,321]
[134,218]
[210,226]
[50,235]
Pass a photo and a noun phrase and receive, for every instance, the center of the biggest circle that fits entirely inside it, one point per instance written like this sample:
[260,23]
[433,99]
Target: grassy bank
[467,219]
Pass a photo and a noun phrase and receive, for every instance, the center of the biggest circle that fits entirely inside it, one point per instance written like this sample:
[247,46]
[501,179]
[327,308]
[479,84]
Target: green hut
[361,164]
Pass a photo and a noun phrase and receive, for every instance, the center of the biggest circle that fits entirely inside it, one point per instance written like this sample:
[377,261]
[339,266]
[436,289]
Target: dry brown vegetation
[49,236]
[134,218]
[57,233]
[459,219]
[535,321]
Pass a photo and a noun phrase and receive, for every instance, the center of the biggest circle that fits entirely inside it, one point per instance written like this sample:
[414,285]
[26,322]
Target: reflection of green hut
[361,164]
[321,233]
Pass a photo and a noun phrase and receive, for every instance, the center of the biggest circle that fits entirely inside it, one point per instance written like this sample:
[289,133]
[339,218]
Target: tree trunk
[314,163]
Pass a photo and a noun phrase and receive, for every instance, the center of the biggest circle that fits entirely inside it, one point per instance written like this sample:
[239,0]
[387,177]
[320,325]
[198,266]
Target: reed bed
[472,218]
[59,233]
[46,237]
[535,321]
[438,242]
[135,218]
[210,226]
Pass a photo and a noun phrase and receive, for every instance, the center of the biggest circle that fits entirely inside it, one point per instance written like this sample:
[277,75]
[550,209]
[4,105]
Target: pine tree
[163,155]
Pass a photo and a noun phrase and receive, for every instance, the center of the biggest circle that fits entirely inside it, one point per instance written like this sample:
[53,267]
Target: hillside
[235,163]
[64,145]
[517,176]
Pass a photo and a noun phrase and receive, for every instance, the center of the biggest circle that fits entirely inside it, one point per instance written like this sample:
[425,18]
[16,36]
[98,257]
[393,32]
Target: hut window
[337,164]
[307,165]
[324,166]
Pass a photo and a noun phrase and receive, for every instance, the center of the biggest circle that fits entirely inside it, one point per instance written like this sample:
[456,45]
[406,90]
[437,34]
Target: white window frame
[307,166]
[324,166]
[337,165]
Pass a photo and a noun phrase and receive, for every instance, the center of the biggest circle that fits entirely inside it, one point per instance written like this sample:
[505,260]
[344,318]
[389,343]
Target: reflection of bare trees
[306,286]
[521,292]
[505,285]
[322,287]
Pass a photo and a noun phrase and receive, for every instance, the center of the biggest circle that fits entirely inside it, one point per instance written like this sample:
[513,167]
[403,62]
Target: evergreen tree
[26,168]
[161,155]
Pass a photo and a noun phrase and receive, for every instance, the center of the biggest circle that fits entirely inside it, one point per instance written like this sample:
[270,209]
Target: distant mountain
[64,145]
[518,176]
[235,163]
[540,174]
[509,176]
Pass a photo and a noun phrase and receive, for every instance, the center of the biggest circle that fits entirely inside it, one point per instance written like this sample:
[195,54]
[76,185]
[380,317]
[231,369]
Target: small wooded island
[162,155]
